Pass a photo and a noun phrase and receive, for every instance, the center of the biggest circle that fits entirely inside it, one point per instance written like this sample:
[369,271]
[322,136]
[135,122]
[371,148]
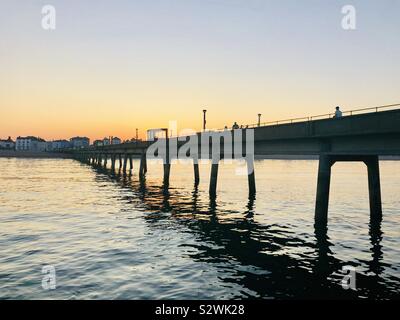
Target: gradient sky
[112,66]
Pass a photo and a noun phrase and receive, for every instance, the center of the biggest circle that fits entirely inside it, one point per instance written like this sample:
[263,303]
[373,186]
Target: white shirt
[338,114]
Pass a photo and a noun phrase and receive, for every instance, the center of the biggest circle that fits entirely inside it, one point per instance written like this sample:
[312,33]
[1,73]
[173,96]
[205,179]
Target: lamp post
[204,120]
[259,119]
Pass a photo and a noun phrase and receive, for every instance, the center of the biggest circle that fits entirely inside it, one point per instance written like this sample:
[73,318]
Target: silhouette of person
[235,126]
[338,113]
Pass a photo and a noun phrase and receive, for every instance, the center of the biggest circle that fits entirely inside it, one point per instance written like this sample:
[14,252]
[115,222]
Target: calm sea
[112,237]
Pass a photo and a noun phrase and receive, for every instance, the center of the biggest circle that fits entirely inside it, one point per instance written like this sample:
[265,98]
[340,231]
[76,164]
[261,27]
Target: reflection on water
[114,236]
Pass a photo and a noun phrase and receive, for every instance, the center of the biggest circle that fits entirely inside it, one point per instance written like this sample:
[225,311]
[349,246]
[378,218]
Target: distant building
[98,143]
[30,144]
[106,141]
[8,144]
[154,134]
[115,140]
[58,145]
[49,146]
[79,142]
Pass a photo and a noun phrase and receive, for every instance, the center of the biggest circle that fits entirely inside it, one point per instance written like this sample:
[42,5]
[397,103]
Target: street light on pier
[204,119]
[259,119]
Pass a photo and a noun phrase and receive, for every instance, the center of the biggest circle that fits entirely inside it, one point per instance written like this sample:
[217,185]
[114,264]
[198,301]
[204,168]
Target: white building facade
[8,144]
[79,142]
[30,144]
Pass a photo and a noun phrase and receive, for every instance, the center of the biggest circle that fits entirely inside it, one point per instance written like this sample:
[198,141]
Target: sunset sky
[113,66]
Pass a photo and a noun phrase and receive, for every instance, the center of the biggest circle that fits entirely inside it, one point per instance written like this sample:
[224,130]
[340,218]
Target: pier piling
[196,170]
[323,185]
[213,179]
[167,169]
[130,163]
[251,176]
[125,163]
[113,156]
[105,161]
[143,166]
[374,187]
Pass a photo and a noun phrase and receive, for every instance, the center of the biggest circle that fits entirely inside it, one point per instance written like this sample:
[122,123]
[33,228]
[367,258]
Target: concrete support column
[143,166]
[125,163]
[323,185]
[113,157]
[130,163]
[374,187]
[213,179]
[167,169]
[120,162]
[251,176]
[105,161]
[196,171]
[167,163]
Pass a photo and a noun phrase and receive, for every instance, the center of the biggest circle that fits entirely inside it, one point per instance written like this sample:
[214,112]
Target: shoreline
[59,155]
[33,154]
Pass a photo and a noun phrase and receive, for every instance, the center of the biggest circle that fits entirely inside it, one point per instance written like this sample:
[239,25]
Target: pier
[360,135]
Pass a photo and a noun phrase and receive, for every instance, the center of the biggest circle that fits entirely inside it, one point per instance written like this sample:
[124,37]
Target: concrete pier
[355,137]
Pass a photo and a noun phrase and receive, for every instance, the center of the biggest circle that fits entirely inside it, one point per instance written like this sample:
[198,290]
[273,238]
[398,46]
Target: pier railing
[347,113]
[324,116]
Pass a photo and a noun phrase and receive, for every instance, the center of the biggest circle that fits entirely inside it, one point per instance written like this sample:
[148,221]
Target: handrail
[310,118]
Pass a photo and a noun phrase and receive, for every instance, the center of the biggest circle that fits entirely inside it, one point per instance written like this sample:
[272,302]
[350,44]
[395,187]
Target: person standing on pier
[338,113]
